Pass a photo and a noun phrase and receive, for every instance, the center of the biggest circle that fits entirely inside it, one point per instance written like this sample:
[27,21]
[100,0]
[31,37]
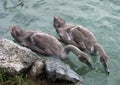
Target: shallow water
[102,17]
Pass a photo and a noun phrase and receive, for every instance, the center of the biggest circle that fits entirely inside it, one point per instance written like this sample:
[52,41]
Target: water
[102,17]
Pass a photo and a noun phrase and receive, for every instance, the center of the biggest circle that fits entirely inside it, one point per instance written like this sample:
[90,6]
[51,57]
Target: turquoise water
[102,17]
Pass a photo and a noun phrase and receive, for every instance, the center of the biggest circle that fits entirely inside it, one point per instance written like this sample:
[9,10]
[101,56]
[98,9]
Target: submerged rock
[57,70]
[16,59]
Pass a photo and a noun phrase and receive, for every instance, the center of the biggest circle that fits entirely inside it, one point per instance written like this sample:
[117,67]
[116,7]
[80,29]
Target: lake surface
[102,17]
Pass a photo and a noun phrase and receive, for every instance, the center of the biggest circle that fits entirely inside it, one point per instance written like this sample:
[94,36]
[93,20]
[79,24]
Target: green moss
[8,79]
[25,79]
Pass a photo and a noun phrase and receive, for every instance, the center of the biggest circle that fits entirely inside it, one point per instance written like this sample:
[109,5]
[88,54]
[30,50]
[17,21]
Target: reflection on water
[102,17]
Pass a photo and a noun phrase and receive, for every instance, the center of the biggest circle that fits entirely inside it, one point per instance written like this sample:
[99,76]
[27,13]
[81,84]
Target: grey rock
[37,68]
[56,69]
[16,59]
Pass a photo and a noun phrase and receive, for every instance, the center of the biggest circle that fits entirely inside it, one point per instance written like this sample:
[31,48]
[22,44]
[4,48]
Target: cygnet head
[84,58]
[104,60]
[103,56]
[16,31]
[58,22]
[81,55]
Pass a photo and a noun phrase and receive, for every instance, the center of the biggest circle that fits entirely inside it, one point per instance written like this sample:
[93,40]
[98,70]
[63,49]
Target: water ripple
[102,17]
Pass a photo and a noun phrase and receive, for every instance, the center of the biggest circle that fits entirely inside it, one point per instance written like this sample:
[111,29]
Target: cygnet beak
[106,68]
[90,65]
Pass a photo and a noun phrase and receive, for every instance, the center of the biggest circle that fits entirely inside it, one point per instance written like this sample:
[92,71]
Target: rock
[78,83]
[37,68]
[56,69]
[17,59]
